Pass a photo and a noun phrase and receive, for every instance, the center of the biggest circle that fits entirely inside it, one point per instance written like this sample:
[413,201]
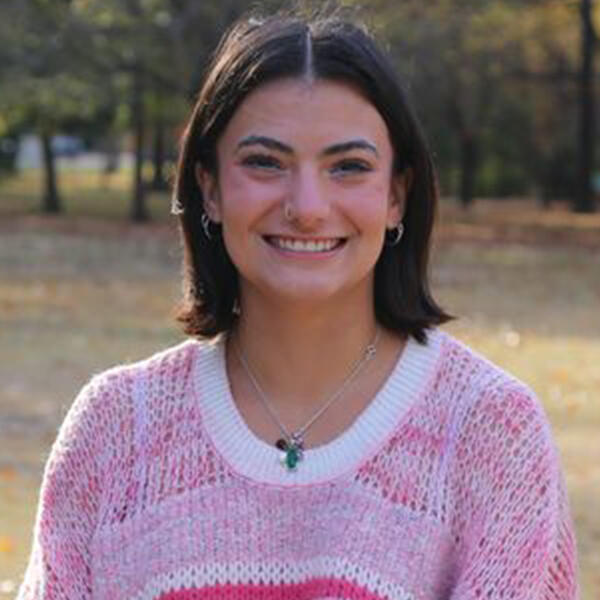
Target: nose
[307,203]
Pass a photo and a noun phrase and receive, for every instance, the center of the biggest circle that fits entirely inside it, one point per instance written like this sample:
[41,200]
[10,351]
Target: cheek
[244,200]
[369,205]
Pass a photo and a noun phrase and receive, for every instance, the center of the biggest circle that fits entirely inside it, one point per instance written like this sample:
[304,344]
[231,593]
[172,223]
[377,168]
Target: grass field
[78,295]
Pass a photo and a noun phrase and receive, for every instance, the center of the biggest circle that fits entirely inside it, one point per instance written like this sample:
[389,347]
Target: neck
[299,357]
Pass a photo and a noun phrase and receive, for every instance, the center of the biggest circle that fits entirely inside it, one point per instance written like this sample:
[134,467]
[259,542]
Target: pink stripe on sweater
[315,589]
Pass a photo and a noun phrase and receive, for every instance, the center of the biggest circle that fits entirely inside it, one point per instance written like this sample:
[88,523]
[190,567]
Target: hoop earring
[395,236]
[205,221]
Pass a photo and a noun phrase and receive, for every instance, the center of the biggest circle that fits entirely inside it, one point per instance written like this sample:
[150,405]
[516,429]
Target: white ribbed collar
[253,458]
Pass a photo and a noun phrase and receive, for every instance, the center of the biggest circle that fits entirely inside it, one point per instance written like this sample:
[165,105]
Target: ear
[399,190]
[210,192]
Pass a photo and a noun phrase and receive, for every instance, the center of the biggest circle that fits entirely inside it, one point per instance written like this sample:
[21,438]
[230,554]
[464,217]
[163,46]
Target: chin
[311,290]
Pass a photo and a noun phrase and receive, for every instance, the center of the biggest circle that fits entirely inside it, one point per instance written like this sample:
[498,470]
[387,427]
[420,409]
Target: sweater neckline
[257,460]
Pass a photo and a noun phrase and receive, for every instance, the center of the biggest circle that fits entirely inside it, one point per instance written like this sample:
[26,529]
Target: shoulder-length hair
[258,50]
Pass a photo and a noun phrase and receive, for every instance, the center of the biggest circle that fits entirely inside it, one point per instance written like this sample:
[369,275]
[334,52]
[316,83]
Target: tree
[155,49]
[495,84]
[453,56]
[45,88]
[31,90]
[76,57]
[584,200]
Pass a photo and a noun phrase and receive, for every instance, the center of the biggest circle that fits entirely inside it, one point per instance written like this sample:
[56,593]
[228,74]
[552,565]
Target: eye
[262,161]
[351,166]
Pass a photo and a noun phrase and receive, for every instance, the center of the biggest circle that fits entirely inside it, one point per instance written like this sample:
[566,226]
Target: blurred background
[93,97]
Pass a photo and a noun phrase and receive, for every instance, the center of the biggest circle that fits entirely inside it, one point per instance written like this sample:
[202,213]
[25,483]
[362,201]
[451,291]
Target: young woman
[317,437]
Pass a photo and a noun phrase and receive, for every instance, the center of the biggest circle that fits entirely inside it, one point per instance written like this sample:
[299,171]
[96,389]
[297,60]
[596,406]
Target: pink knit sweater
[447,487]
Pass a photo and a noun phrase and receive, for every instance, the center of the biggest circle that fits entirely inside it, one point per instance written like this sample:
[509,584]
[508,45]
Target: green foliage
[501,74]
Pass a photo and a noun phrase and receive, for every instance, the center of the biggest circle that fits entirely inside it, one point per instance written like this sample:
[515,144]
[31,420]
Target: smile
[304,245]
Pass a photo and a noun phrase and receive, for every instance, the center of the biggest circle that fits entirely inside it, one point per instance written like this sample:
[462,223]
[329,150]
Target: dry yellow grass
[77,298]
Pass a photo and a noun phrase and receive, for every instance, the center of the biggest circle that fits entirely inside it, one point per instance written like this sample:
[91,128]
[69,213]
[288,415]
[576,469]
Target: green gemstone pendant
[291,454]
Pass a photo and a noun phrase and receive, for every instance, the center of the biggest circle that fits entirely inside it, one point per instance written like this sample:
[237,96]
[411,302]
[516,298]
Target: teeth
[305,245]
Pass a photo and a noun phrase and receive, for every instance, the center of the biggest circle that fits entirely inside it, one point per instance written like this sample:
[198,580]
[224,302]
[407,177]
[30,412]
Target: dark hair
[253,52]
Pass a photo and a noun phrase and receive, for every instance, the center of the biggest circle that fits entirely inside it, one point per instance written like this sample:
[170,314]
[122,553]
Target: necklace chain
[293,444]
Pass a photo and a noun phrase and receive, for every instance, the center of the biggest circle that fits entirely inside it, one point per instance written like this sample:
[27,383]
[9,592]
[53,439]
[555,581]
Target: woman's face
[305,192]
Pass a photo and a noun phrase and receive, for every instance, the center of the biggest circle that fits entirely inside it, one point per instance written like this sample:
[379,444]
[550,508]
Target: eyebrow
[357,144]
[273,144]
[265,141]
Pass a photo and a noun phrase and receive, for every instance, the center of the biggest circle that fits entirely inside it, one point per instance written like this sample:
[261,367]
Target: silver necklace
[292,444]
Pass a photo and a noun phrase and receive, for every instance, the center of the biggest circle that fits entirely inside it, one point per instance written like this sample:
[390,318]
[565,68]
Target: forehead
[306,114]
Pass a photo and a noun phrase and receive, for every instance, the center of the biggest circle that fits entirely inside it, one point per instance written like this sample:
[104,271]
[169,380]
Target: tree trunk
[468,166]
[585,201]
[111,154]
[51,201]
[159,181]
[139,212]
[468,147]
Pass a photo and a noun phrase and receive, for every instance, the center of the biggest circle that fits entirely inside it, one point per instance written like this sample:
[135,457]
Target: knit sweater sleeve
[60,562]
[512,516]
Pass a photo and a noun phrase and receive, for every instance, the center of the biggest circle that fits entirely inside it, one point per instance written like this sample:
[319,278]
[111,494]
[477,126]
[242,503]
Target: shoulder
[108,400]
[472,375]
[487,403]
[168,365]
[494,412]
[169,361]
